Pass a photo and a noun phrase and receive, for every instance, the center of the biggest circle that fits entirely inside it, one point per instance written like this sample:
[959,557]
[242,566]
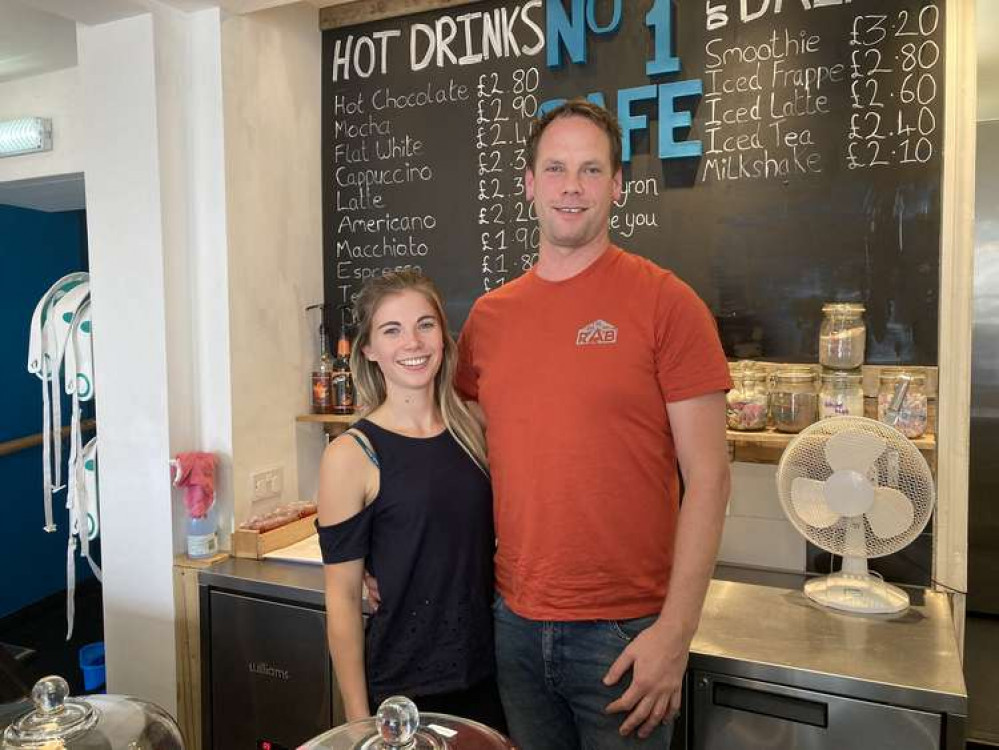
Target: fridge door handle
[777,706]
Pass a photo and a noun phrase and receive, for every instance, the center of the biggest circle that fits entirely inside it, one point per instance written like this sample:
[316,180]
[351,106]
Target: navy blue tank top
[428,539]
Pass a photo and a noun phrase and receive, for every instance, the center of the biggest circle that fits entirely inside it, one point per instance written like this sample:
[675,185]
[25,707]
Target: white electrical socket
[277,482]
[267,483]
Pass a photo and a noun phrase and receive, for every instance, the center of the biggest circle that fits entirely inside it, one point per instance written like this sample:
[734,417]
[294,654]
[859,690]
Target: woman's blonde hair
[369,382]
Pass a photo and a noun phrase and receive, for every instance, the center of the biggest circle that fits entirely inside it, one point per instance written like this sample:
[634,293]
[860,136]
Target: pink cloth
[197,477]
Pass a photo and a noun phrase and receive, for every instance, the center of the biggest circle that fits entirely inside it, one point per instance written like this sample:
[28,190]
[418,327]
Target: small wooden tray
[255,544]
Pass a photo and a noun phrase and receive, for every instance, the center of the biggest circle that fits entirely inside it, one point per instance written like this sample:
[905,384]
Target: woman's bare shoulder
[347,476]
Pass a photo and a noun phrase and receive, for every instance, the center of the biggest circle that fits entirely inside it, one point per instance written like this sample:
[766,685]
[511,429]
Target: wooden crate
[248,543]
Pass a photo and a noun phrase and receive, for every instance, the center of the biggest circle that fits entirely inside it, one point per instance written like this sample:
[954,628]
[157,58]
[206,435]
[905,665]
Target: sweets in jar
[794,402]
[902,401]
[747,404]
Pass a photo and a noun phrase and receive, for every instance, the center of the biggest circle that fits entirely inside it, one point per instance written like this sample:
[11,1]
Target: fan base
[866,594]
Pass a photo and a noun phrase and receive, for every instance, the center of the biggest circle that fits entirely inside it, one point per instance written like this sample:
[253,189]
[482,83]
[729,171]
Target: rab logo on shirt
[597,332]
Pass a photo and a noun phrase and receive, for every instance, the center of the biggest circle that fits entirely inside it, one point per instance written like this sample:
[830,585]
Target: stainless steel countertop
[770,633]
[778,635]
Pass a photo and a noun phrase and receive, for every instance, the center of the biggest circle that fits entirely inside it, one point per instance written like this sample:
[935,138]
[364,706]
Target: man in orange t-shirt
[597,372]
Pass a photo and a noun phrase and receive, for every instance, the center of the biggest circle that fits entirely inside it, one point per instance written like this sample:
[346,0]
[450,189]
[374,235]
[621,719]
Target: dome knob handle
[49,694]
[397,721]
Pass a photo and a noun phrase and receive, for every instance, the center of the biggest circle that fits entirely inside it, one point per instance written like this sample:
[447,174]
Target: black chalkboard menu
[780,153]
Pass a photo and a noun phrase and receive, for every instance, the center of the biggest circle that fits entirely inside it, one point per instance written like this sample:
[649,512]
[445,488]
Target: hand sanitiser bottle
[202,534]
[195,472]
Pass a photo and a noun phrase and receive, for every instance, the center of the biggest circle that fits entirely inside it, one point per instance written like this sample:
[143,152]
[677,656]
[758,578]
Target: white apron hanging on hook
[61,331]
[81,493]
[92,496]
[84,521]
[79,373]
[45,351]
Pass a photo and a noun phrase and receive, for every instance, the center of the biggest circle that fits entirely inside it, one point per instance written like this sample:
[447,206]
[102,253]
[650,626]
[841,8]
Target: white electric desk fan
[860,489]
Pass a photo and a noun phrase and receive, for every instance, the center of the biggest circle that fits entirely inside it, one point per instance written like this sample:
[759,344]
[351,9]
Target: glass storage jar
[902,400]
[794,401]
[746,405]
[842,336]
[842,394]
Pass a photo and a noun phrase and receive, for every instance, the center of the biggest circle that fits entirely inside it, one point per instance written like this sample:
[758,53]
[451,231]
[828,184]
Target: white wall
[757,533]
[125,222]
[153,160]
[168,283]
[271,82]
[55,95]
[209,284]
[192,160]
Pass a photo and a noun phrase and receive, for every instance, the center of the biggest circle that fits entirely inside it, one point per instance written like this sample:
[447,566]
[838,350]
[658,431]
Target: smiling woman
[405,342]
[404,308]
[405,493]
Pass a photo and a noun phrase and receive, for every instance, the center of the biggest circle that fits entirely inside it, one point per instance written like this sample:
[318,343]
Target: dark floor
[41,627]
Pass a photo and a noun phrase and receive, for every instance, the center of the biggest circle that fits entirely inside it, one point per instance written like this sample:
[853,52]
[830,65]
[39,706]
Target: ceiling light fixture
[26,135]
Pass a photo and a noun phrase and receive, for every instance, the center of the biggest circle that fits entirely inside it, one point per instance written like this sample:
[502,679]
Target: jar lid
[842,377]
[749,376]
[890,374]
[56,718]
[743,370]
[797,375]
[844,308]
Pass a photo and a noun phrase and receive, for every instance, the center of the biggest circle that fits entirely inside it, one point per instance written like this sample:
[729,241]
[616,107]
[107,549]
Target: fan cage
[900,466]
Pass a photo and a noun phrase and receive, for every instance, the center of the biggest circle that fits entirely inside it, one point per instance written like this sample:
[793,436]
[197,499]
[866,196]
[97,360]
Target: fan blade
[809,503]
[853,449]
[891,514]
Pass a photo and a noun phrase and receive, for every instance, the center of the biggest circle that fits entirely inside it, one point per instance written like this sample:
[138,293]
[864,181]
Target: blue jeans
[550,677]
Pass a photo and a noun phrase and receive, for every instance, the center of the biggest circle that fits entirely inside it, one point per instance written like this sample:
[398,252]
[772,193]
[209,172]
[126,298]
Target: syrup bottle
[342,380]
[322,376]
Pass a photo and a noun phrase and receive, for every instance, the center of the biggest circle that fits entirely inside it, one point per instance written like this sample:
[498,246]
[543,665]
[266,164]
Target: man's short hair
[577,108]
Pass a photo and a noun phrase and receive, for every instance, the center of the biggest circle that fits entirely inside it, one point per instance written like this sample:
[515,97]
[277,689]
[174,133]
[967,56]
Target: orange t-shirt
[574,377]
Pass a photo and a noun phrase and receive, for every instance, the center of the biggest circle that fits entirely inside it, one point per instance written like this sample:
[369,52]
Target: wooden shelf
[333,424]
[766,446]
[328,418]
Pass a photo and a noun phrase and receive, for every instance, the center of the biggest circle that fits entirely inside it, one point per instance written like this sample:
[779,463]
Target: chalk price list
[894,88]
[373,161]
[764,101]
[506,103]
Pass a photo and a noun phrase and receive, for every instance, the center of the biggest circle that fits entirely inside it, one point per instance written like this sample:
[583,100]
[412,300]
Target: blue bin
[92,664]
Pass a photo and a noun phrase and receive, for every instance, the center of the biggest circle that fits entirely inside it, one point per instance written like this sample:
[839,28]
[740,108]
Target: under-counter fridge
[267,679]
